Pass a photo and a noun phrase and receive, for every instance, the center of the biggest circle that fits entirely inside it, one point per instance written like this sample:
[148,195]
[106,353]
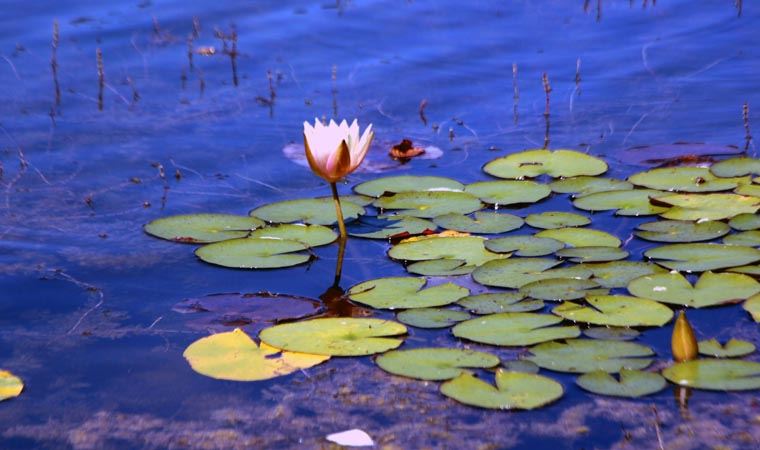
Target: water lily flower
[683,343]
[334,151]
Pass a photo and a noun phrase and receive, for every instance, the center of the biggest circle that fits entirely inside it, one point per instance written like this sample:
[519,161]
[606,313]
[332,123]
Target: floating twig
[334,78]
[423,105]
[598,10]
[54,63]
[190,42]
[657,428]
[547,114]
[515,93]
[747,133]
[101,77]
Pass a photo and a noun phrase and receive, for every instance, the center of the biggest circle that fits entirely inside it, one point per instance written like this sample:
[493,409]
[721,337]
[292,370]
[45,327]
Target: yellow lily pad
[10,385]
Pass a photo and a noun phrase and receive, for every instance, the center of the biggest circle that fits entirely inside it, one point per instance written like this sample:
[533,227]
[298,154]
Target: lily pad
[584,185]
[234,356]
[521,365]
[513,390]
[524,245]
[736,167]
[10,385]
[406,183]
[335,336]
[752,190]
[632,383]
[612,333]
[618,274]
[684,179]
[745,222]
[483,222]
[508,192]
[435,364]
[440,268]
[707,206]
[316,211]
[202,228]
[732,348]
[592,254]
[634,202]
[752,306]
[588,355]
[715,374]
[558,163]
[310,235]
[493,303]
[372,227]
[711,289]
[681,231]
[702,257]
[749,238]
[431,317]
[515,273]
[254,253]
[514,329]
[558,288]
[616,310]
[429,204]
[753,270]
[556,219]
[581,237]
[470,249]
[405,293]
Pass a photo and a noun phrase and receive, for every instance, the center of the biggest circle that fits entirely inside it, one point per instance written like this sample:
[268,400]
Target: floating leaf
[702,257]
[317,211]
[310,235]
[469,249]
[556,219]
[581,237]
[715,374]
[514,390]
[521,365]
[335,336]
[514,273]
[617,274]
[524,245]
[558,163]
[707,206]
[202,228]
[493,303]
[484,222]
[747,270]
[584,185]
[752,190]
[508,192]
[406,183]
[432,317]
[588,355]
[558,288]
[429,204]
[632,383]
[684,179]
[235,356]
[736,167]
[745,222]
[749,238]
[440,268]
[616,310]
[254,253]
[626,203]
[405,292]
[371,227]
[10,385]
[732,348]
[711,289]
[434,364]
[681,231]
[752,306]
[592,254]
[612,333]
[514,329]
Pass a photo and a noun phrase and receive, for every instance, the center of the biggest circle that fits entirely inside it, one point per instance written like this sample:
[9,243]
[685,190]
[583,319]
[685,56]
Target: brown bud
[683,343]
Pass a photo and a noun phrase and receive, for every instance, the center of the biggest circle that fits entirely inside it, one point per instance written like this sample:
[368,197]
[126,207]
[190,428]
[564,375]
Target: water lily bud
[683,342]
[334,151]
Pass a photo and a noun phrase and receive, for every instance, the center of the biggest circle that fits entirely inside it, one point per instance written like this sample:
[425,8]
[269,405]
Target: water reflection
[336,302]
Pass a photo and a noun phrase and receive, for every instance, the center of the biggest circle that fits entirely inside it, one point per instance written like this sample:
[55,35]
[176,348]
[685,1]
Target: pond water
[86,314]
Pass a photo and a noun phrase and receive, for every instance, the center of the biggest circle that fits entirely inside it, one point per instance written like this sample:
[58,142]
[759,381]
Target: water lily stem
[339,263]
[338,212]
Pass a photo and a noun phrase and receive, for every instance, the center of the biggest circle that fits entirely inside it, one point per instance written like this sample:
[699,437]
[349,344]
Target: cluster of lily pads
[582,272]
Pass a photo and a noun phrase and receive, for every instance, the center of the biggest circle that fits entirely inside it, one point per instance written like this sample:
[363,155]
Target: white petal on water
[351,438]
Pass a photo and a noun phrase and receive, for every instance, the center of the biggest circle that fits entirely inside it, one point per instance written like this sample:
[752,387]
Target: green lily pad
[634,202]
[483,222]
[558,163]
[310,235]
[702,257]
[524,245]
[405,293]
[514,329]
[732,348]
[745,222]
[513,390]
[618,274]
[681,231]
[612,333]
[493,303]
[707,206]
[581,237]
[715,374]
[556,219]
[470,249]
[521,365]
[435,364]
[361,200]
[316,211]
[736,167]
[558,288]
[202,228]
[711,289]
[684,179]
[429,204]
[616,310]
[749,238]
[335,336]
[254,253]
[388,227]
[752,190]
[406,183]
[752,306]
[10,385]
[632,383]
[588,355]
[747,270]
[592,254]
[440,268]
[517,272]
[584,185]
[431,317]
[508,192]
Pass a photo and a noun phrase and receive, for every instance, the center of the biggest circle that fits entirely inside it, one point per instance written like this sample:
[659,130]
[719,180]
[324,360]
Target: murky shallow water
[85,314]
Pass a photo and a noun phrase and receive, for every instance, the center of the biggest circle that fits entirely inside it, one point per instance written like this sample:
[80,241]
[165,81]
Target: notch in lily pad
[715,374]
[405,293]
[434,364]
[711,289]
[631,383]
[514,329]
[513,390]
